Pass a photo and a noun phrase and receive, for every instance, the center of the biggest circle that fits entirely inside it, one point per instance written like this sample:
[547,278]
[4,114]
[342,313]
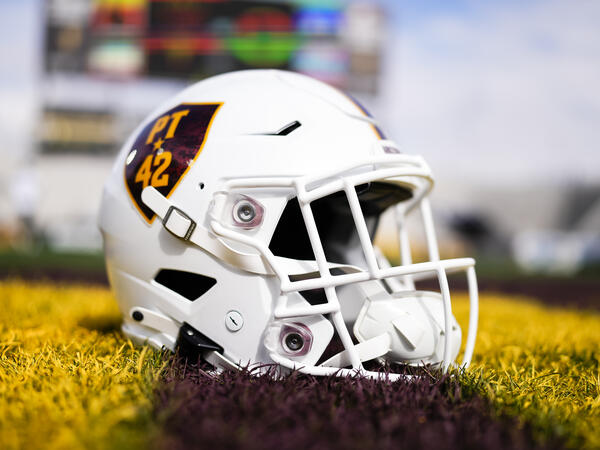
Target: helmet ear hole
[187,284]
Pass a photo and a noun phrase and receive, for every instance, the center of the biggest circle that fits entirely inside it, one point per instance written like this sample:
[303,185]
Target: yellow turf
[541,364]
[68,378]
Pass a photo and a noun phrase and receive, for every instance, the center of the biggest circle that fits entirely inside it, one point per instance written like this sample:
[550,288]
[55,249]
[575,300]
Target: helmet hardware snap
[294,342]
[247,213]
[296,339]
[244,211]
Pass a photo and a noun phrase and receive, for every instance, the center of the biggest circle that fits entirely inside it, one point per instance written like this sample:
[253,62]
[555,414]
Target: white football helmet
[238,225]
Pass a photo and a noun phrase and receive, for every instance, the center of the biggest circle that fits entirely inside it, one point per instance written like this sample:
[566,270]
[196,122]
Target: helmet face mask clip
[284,226]
[247,213]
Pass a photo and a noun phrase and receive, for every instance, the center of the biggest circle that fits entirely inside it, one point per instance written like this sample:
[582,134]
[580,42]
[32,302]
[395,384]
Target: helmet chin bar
[407,170]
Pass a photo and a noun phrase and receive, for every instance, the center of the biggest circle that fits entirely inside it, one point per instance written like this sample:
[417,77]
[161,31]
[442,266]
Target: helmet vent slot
[288,128]
[187,284]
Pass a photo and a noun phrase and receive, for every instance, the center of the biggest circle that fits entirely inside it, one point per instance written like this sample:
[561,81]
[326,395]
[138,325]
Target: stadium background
[501,99]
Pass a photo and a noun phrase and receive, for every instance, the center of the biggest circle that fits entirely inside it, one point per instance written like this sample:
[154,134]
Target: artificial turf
[541,364]
[69,379]
[240,410]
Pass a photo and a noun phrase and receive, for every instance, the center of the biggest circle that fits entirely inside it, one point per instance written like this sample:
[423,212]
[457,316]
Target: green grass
[14,261]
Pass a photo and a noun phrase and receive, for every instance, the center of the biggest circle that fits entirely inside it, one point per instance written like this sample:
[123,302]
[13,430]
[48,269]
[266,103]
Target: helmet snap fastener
[294,342]
[295,339]
[247,213]
[234,321]
[244,211]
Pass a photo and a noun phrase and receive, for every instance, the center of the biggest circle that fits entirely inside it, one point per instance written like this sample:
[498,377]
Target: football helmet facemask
[238,225]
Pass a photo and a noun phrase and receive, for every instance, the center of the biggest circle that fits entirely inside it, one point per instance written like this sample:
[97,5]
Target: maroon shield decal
[166,149]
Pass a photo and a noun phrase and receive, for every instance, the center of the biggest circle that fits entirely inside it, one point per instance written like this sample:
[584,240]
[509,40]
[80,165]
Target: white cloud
[510,90]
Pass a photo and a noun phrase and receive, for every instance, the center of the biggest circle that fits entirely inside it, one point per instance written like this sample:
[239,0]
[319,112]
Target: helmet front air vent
[284,130]
[287,129]
[187,284]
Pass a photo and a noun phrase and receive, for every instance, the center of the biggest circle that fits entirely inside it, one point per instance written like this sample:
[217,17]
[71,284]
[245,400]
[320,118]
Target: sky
[490,90]
[20,34]
[508,89]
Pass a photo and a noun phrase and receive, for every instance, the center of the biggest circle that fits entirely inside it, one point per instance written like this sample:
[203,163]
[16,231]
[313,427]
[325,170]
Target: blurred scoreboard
[190,39]
[95,49]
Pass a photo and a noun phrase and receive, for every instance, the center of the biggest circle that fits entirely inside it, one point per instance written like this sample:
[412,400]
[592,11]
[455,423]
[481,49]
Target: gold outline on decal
[151,221]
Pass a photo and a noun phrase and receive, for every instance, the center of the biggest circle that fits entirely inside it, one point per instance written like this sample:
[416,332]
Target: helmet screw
[234,321]
[245,211]
[294,342]
[137,316]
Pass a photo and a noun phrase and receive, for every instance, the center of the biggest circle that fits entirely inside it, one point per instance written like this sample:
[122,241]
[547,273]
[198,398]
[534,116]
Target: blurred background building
[501,98]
